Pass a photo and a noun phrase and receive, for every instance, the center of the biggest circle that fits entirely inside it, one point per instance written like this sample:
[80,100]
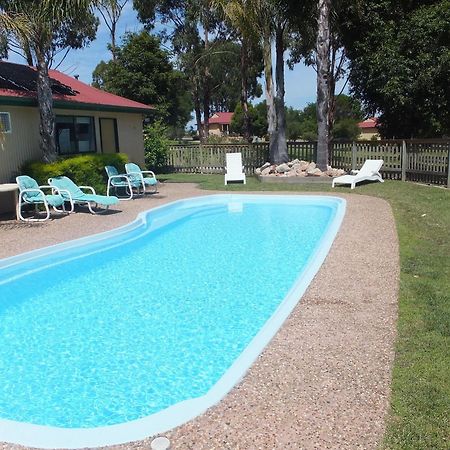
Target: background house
[219,123]
[368,129]
[88,120]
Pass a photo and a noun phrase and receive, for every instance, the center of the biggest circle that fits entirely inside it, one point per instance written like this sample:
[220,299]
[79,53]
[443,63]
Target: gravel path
[324,380]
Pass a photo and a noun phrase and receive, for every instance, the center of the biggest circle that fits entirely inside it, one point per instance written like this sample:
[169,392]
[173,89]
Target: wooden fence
[425,161]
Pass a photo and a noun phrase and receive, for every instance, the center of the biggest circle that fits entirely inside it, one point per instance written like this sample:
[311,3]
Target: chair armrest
[121,176]
[149,171]
[46,186]
[22,191]
[60,192]
[137,174]
[90,188]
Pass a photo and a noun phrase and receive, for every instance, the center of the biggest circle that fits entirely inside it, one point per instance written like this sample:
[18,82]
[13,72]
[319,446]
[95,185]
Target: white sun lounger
[234,168]
[370,171]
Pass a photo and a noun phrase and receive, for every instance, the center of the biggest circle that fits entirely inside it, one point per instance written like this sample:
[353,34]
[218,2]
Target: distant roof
[18,84]
[368,123]
[222,118]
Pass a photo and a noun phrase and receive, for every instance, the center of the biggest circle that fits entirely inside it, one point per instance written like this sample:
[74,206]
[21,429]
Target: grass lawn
[420,405]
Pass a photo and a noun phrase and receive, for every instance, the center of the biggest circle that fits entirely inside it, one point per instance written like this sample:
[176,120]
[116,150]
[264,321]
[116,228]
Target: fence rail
[415,160]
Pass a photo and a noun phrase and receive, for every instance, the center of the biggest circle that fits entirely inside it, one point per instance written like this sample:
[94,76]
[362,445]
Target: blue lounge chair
[118,181]
[74,194]
[137,176]
[30,193]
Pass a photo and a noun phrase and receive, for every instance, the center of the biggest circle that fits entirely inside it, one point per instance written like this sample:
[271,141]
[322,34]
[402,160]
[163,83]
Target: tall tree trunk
[331,99]
[206,111]
[28,54]
[207,76]
[47,142]
[323,73]
[280,154]
[271,113]
[198,112]
[244,89]
[113,40]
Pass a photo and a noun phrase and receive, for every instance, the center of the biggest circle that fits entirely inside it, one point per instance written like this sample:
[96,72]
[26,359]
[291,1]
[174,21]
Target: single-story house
[368,129]
[88,120]
[219,123]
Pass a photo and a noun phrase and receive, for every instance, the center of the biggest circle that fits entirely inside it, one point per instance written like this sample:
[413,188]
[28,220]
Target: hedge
[86,170]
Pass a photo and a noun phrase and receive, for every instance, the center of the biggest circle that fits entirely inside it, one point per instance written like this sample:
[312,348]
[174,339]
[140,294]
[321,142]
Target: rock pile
[297,168]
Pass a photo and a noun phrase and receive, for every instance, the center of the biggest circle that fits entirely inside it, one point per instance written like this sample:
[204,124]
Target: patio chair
[370,171]
[234,168]
[136,175]
[74,194]
[30,193]
[118,181]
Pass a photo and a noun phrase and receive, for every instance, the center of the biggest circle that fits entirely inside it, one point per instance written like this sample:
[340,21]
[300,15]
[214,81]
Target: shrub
[85,170]
[156,144]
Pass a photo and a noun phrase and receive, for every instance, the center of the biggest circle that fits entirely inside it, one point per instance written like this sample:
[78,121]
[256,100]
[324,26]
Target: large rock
[316,172]
[282,168]
[304,165]
[266,171]
[266,164]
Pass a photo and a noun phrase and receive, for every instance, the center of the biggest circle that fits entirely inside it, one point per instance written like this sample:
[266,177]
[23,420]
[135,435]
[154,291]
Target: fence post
[448,167]
[404,160]
[353,155]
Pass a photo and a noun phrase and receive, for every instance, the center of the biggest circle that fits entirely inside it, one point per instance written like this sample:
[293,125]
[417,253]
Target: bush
[85,170]
[156,145]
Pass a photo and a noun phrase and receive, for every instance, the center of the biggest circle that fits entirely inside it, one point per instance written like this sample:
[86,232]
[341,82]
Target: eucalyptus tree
[45,29]
[195,30]
[323,79]
[267,22]
[111,10]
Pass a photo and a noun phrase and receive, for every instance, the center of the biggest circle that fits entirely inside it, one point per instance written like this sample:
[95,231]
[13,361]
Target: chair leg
[102,211]
[21,217]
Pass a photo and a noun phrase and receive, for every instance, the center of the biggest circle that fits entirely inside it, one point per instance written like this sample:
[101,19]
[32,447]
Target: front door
[108,135]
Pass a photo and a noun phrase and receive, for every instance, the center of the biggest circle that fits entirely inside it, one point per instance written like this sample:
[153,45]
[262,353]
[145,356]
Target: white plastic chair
[370,171]
[234,168]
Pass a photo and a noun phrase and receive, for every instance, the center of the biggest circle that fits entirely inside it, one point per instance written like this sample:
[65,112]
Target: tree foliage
[142,71]
[348,114]
[400,64]
[258,120]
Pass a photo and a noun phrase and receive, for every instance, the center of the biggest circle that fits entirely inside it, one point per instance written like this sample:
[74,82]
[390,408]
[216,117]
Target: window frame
[8,114]
[74,117]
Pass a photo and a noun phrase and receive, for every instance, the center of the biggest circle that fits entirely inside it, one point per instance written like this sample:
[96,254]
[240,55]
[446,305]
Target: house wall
[368,134]
[22,144]
[214,129]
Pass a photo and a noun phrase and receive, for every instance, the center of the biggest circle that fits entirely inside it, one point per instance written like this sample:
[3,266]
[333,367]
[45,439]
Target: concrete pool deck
[323,381]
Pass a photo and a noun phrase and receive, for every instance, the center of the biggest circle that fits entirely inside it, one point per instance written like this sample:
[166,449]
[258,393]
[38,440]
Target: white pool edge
[54,437]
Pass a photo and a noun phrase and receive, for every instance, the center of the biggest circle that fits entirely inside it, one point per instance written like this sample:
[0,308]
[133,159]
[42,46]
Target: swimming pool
[122,335]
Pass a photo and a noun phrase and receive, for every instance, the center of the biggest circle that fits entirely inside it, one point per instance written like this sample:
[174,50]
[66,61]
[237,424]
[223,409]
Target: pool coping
[169,418]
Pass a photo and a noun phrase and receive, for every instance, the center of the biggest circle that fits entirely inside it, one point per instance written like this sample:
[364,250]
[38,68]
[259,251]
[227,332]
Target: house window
[5,122]
[75,134]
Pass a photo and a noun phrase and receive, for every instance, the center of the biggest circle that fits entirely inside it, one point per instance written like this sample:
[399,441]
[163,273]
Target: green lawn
[420,406]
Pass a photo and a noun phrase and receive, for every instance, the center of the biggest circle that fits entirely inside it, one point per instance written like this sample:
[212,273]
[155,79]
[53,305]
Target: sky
[300,82]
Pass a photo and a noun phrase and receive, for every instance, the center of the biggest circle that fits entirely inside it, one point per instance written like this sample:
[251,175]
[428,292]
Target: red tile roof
[368,123]
[222,118]
[19,81]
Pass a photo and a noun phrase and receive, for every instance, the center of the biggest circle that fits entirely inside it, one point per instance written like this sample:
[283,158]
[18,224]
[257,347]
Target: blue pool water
[122,327]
